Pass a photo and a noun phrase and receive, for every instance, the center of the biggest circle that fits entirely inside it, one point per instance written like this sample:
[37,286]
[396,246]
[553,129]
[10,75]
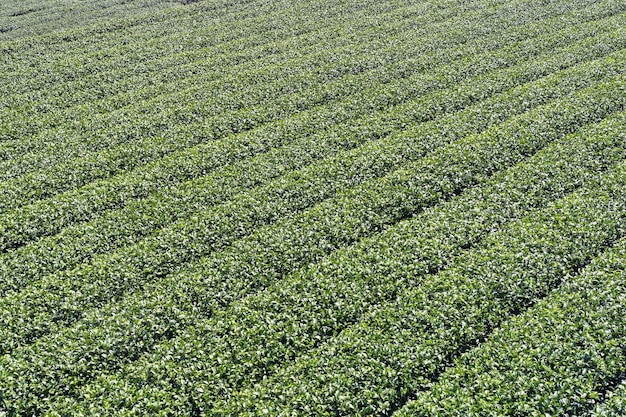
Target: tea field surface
[313,208]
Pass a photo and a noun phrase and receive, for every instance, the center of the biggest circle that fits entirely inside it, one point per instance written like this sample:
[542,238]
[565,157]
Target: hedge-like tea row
[353,214]
[101,164]
[257,334]
[421,12]
[312,207]
[226,60]
[555,359]
[446,172]
[88,169]
[43,17]
[37,17]
[147,41]
[403,346]
[163,72]
[106,30]
[157,33]
[137,37]
[229,79]
[176,72]
[144,217]
[22,266]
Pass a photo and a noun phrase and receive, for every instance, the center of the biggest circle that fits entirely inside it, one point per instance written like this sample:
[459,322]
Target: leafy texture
[311,207]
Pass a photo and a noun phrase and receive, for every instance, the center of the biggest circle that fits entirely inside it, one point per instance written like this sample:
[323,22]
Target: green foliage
[614,406]
[362,206]
[558,358]
[263,331]
[102,157]
[312,207]
[132,223]
[404,345]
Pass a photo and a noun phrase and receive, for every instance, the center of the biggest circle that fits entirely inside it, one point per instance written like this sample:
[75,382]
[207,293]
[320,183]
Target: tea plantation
[313,208]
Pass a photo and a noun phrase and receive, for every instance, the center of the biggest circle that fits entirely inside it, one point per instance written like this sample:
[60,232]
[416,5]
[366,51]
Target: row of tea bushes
[259,260]
[250,340]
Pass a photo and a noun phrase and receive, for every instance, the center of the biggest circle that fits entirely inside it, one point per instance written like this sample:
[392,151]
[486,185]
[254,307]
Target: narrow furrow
[235,92]
[51,216]
[249,340]
[614,404]
[117,228]
[40,18]
[261,43]
[354,214]
[557,358]
[22,57]
[153,133]
[268,30]
[403,346]
[142,218]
